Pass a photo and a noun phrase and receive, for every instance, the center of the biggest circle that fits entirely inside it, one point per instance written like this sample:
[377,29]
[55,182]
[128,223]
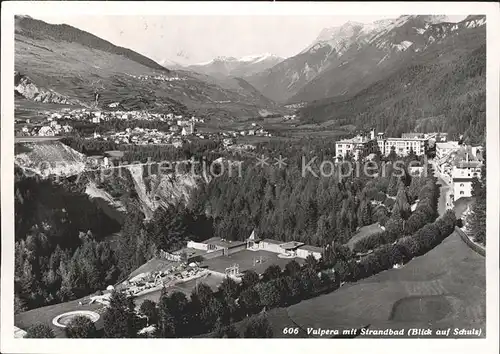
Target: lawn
[444,288]
[245,260]
[364,232]
[46,314]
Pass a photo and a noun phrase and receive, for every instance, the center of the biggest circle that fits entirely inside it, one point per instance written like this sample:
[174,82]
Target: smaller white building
[444,149]
[463,173]
[46,131]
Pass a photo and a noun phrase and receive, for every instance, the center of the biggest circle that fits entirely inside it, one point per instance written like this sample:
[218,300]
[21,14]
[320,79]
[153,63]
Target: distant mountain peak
[223,66]
[224,58]
[352,55]
[248,58]
[259,57]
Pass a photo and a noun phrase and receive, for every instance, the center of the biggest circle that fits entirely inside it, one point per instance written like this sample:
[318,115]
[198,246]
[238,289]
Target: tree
[249,279]
[177,309]
[392,188]
[365,213]
[258,327]
[272,272]
[168,227]
[311,263]
[414,223]
[166,322]
[292,268]
[222,331]
[148,308]
[446,224]
[381,215]
[309,281]
[81,327]
[392,155]
[127,243]
[39,330]
[229,288]
[477,218]
[394,226]
[293,287]
[19,304]
[120,320]
[402,206]
[249,301]
[272,293]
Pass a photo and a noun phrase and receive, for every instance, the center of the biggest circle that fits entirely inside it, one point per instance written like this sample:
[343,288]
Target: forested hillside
[292,206]
[454,88]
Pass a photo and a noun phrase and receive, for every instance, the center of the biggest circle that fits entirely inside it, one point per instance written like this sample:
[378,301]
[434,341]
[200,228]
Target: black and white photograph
[272,175]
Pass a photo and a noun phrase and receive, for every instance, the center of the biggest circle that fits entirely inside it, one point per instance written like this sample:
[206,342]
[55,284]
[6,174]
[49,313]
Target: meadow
[445,288]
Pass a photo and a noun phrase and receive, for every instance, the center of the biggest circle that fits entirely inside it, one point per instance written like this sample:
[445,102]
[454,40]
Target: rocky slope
[48,158]
[344,60]
[53,158]
[25,88]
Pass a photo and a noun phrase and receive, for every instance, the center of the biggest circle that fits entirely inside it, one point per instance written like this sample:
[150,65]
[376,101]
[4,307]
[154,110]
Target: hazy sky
[195,39]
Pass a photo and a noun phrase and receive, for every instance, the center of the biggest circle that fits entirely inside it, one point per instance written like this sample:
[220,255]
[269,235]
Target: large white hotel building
[370,144]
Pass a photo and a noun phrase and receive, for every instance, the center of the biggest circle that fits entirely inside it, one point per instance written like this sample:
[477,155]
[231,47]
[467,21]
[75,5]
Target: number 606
[290,330]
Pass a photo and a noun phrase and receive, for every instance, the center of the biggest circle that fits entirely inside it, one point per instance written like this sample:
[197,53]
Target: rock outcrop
[23,86]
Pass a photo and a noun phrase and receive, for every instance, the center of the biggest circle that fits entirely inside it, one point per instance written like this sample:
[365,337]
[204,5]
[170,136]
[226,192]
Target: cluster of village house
[145,136]
[52,124]
[228,137]
[179,127]
[157,77]
[49,127]
[456,164]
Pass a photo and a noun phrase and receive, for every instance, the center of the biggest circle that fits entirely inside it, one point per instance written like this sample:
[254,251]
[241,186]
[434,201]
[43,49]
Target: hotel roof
[355,140]
[468,164]
[275,242]
[312,248]
[223,243]
[448,145]
[407,139]
[291,245]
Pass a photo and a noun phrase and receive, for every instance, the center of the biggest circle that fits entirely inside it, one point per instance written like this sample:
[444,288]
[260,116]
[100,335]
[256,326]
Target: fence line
[474,246]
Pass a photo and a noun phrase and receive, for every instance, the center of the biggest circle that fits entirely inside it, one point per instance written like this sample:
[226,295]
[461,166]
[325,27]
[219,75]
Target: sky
[196,39]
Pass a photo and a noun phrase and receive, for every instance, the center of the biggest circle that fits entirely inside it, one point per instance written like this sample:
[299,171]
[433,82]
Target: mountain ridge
[30,27]
[369,46]
[70,66]
[451,86]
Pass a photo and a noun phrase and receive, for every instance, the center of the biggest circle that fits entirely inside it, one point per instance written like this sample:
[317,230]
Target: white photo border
[11,345]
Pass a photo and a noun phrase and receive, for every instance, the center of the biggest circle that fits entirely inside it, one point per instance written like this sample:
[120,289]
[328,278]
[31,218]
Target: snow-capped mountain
[239,67]
[349,57]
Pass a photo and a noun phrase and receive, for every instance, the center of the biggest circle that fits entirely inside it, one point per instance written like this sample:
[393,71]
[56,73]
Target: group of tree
[206,311]
[60,250]
[78,327]
[401,221]
[216,312]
